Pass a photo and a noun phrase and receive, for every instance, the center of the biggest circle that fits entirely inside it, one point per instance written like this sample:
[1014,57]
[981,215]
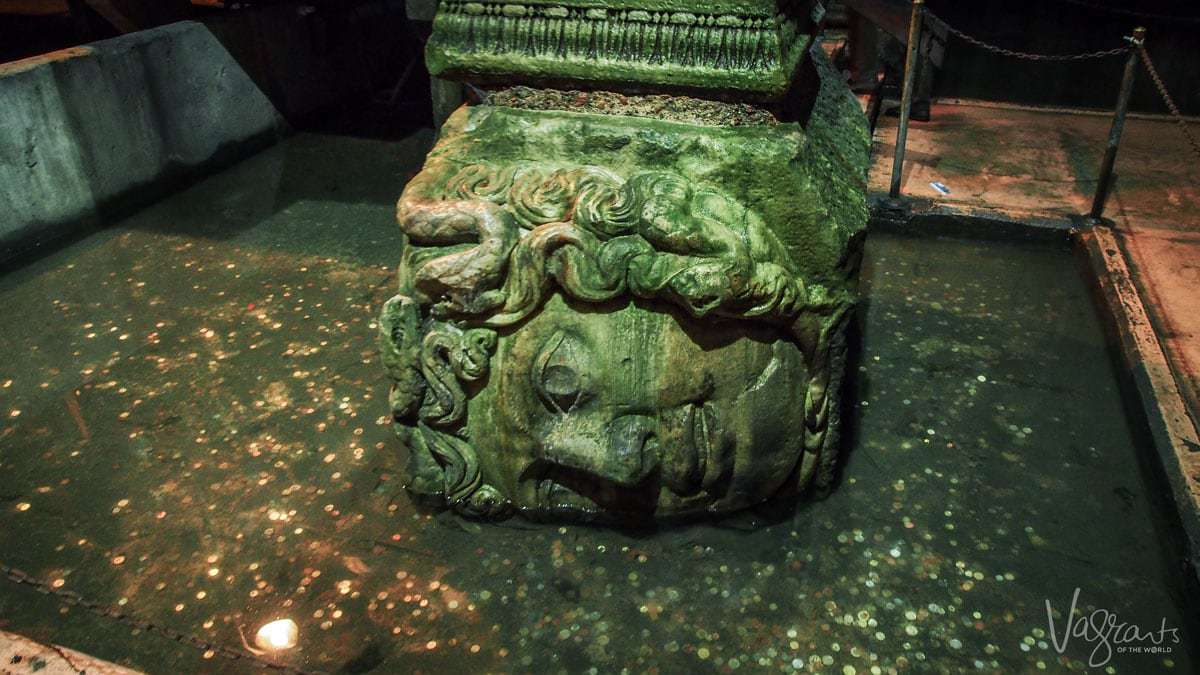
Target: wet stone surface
[195,430]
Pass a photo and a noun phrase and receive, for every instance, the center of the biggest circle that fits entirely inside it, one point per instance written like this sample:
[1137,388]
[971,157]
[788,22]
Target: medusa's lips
[682,449]
[570,491]
[613,468]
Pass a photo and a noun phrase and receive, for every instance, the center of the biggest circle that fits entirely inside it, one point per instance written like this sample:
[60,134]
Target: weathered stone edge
[920,217]
[1174,436]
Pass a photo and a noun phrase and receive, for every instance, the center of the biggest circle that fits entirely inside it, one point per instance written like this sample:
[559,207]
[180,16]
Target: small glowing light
[277,635]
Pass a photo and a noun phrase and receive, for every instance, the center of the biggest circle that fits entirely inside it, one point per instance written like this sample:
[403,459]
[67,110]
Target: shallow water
[195,430]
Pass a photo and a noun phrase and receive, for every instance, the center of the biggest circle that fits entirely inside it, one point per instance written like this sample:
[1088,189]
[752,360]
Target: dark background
[323,63]
[368,52]
[1069,27]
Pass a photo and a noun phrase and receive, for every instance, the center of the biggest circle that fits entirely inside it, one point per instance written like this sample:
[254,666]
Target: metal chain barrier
[1133,52]
[1166,97]
[73,599]
[933,18]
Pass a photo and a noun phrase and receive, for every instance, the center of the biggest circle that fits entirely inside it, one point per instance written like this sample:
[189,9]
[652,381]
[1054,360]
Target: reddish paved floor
[1027,162]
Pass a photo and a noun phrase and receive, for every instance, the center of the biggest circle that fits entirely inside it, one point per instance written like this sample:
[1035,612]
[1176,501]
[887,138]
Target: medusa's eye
[561,386]
[560,372]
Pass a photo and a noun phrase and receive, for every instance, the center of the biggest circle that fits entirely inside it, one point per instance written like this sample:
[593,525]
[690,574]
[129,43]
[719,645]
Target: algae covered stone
[625,306]
[727,48]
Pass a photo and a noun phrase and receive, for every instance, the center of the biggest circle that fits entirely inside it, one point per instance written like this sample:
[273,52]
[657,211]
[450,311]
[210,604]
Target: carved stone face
[637,409]
[601,329]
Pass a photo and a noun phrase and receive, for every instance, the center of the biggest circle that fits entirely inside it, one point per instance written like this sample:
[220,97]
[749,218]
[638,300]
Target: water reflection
[194,428]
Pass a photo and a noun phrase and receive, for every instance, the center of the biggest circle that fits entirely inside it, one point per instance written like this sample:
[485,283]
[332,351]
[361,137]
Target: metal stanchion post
[910,70]
[1118,125]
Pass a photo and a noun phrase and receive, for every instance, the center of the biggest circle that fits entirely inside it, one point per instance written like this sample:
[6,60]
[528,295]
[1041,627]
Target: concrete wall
[97,129]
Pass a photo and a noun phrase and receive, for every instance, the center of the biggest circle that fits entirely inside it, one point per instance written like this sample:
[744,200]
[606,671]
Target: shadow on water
[309,195]
[855,388]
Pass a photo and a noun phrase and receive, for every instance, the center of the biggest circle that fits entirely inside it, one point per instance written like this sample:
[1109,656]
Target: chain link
[1134,44]
[933,18]
[73,599]
[1166,97]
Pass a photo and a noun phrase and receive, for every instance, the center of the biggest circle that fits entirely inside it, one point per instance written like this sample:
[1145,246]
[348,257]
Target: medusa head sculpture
[570,342]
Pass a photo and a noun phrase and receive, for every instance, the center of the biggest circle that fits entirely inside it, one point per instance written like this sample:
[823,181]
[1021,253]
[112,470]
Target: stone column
[446,95]
[628,275]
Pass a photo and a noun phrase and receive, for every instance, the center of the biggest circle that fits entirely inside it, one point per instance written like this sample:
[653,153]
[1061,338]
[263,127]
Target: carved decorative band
[668,108]
[726,42]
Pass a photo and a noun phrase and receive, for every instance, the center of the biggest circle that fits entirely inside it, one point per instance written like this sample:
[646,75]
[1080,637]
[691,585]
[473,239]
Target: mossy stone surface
[807,183]
[734,49]
[606,315]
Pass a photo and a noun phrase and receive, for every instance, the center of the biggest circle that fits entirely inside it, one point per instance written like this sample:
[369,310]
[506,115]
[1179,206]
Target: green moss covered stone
[624,307]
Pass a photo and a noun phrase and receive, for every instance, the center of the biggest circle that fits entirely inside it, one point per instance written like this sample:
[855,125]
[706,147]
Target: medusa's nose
[624,452]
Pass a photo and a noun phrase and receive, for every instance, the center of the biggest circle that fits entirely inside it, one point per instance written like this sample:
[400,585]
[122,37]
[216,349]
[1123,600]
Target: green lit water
[193,427]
